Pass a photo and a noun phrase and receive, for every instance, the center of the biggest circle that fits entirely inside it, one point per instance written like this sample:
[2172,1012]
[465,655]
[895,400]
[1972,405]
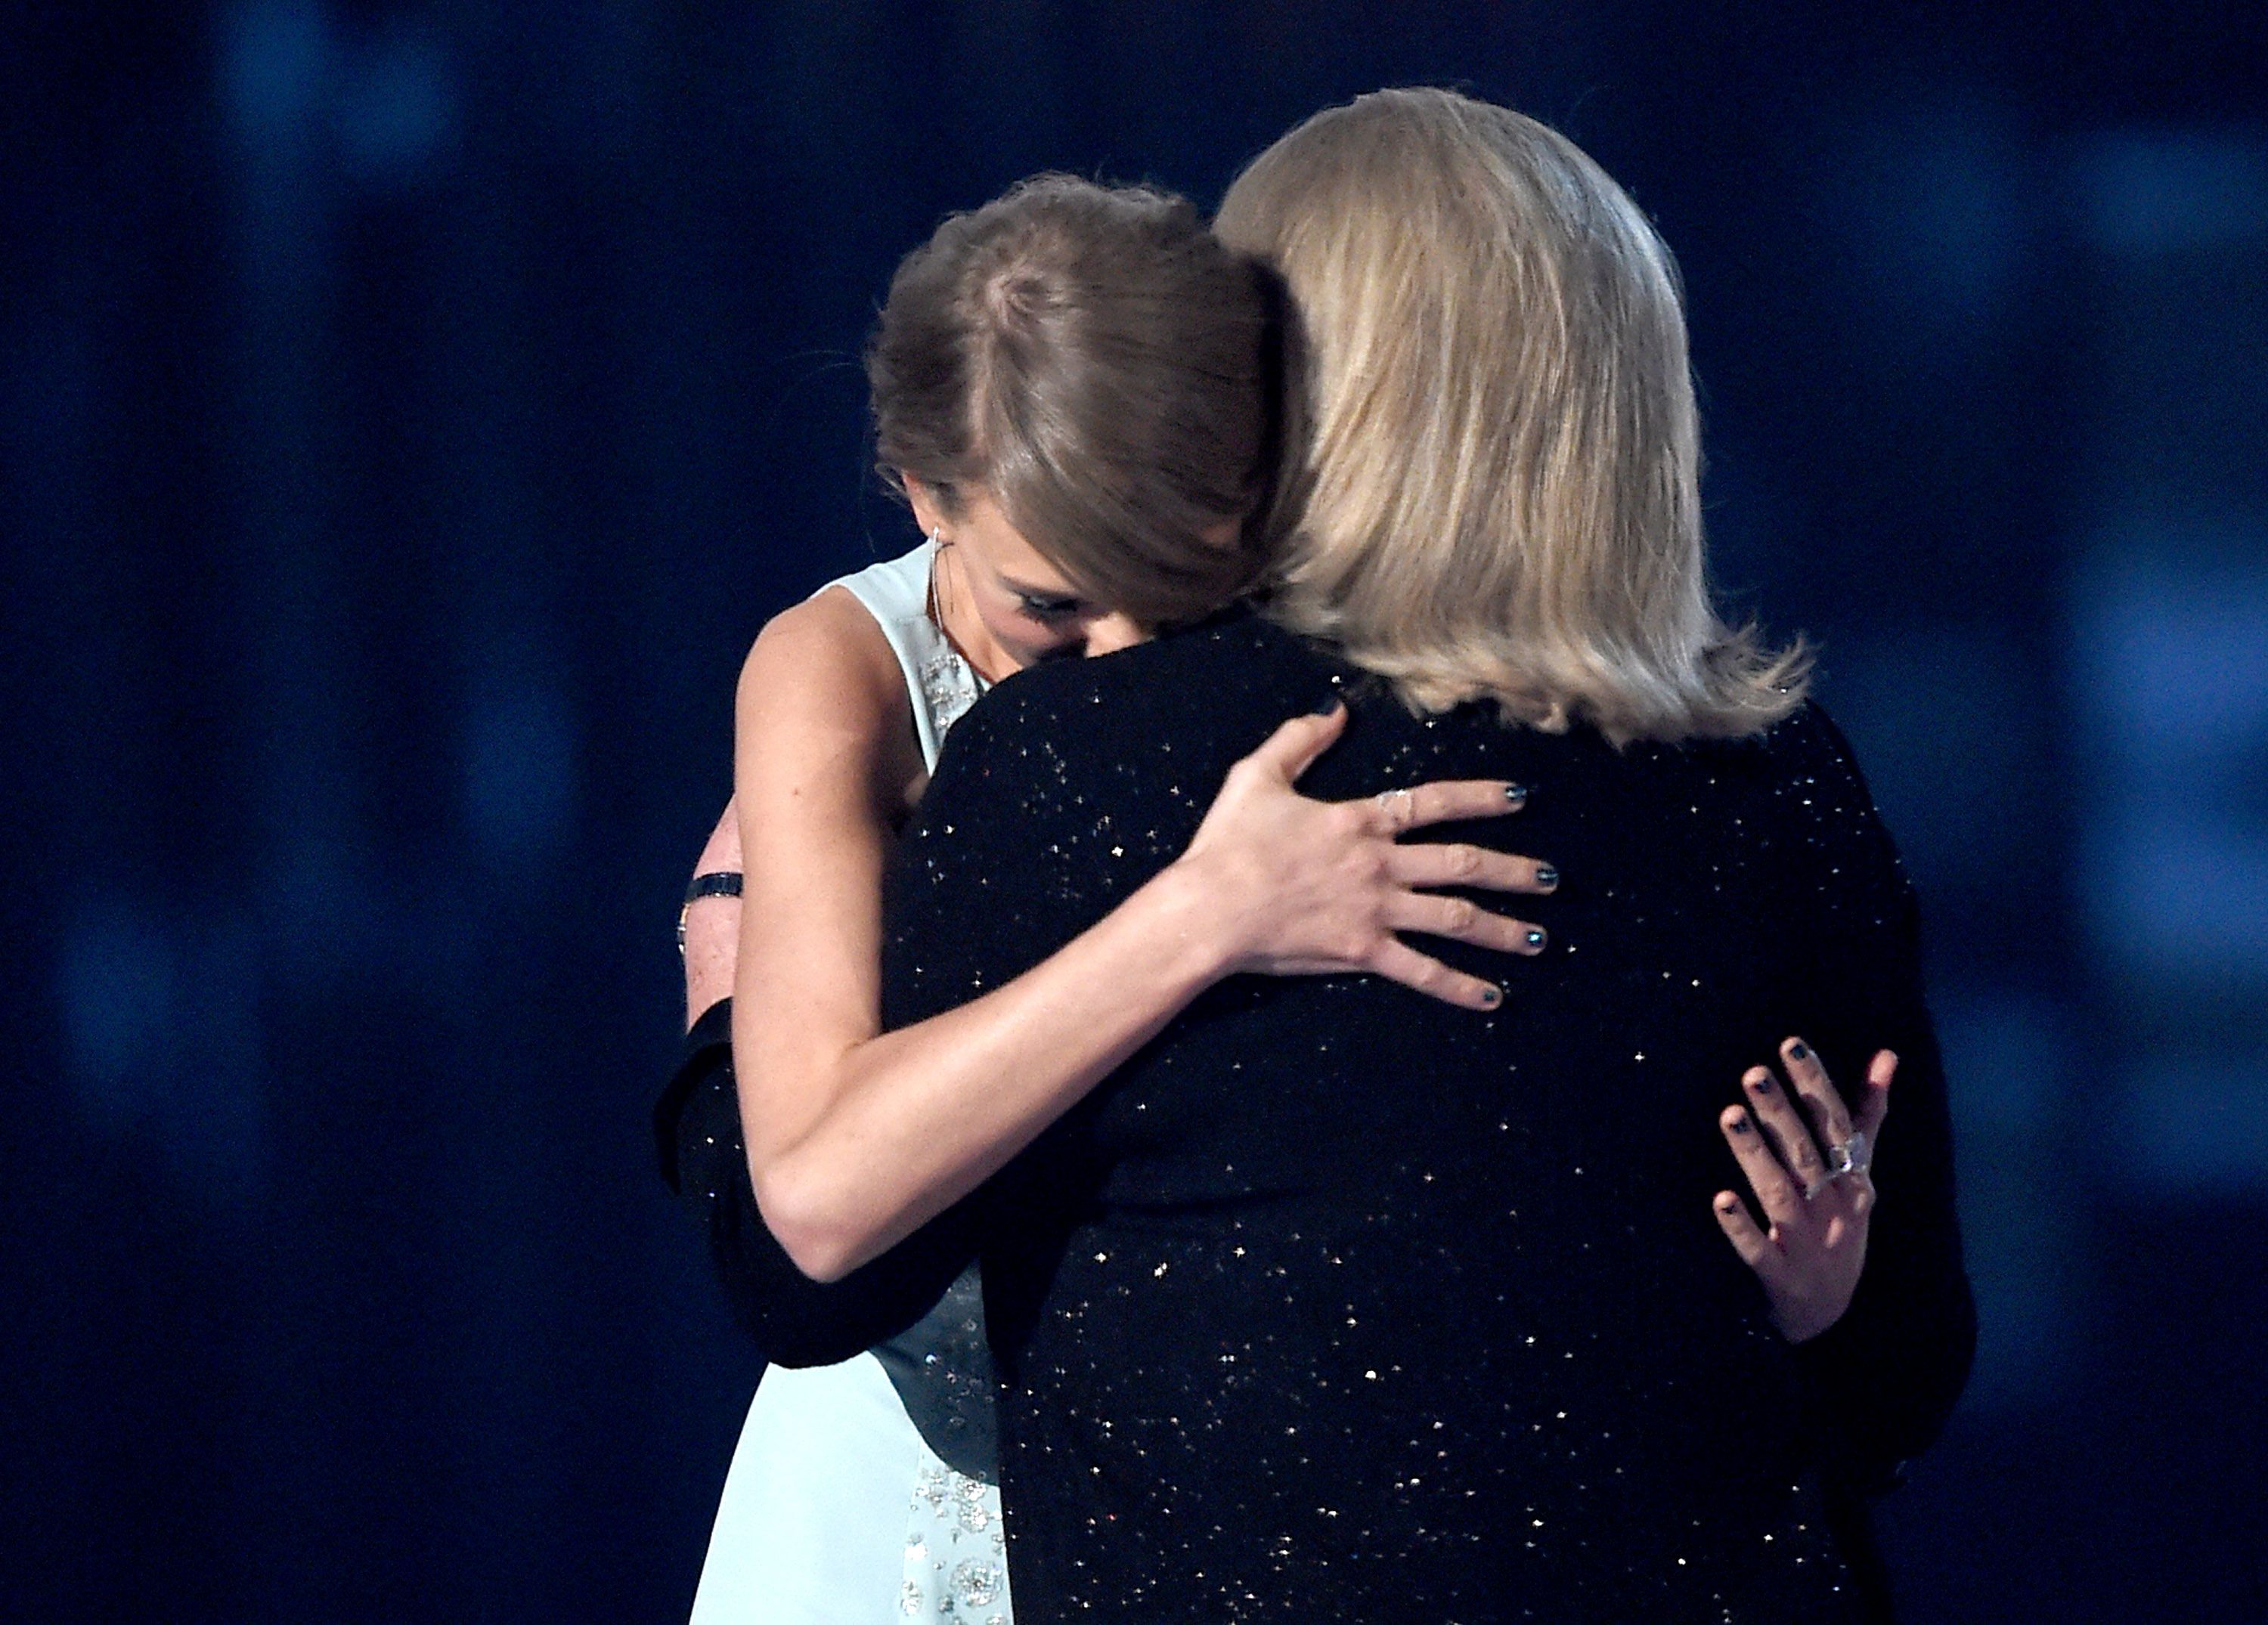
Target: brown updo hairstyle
[1107,371]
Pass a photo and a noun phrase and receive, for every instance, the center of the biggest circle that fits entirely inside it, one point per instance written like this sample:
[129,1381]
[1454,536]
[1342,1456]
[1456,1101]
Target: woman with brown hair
[1075,389]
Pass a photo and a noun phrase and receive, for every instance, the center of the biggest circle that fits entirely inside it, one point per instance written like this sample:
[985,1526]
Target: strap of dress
[941,685]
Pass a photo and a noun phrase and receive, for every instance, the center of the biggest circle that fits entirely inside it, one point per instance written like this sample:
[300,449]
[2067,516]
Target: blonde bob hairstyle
[1495,492]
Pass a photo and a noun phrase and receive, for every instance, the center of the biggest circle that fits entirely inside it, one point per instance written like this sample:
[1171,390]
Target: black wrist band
[715,883]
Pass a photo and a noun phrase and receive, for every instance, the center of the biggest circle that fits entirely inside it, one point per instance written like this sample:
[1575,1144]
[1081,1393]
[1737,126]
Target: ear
[929,510]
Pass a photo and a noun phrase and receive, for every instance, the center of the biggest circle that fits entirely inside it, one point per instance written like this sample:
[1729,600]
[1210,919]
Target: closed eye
[1047,608]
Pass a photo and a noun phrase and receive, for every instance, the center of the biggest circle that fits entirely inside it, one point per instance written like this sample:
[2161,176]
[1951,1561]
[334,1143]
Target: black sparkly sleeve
[683,1108]
[1884,1378]
[793,1320]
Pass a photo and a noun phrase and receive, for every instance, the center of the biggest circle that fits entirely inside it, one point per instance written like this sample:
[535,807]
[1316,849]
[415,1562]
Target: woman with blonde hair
[1329,1304]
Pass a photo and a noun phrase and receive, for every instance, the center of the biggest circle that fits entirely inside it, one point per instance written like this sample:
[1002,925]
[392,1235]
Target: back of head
[1095,359]
[1496,487]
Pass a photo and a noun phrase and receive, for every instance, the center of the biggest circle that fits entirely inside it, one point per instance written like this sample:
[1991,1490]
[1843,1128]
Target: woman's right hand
[1809,1247]
[1307,888]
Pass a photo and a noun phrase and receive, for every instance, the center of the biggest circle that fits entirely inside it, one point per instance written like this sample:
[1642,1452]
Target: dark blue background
[411,411]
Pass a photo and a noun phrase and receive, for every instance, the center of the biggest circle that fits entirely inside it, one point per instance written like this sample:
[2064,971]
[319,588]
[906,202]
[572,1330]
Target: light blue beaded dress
[837,1510]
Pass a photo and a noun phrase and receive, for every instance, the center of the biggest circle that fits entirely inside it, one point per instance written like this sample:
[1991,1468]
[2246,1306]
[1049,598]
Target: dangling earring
[936,605]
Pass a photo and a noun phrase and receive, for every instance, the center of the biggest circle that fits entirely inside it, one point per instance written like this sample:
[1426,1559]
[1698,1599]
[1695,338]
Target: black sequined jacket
[1336,1303]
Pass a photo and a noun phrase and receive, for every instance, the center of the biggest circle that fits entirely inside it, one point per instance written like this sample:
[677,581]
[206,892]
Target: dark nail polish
[1534,938]
[1546,875]
[1515,792]
[1740,1125]
[1325,706]
[1491,997]
[1762,1086]
[1797,1052]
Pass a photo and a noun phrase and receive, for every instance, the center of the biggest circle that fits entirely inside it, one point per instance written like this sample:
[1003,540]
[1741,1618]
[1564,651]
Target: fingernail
[1762,1085]
[1741,1124]
[1491,997]
[1797,1052]
[1325,706]
[1728,1201]
[1546,875]
[1534,938]
[1515,792]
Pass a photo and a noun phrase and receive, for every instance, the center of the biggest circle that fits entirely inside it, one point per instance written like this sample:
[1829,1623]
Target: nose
[1109,634]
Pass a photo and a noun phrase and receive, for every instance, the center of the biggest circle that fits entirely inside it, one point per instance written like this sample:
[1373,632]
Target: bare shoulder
[826,652]
[821,682]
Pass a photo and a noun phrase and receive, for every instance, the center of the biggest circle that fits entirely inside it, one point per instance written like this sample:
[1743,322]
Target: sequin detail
[956,1550]
[950,686]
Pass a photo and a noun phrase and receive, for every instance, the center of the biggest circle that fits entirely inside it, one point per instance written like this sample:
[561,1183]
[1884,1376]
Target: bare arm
[855,1136]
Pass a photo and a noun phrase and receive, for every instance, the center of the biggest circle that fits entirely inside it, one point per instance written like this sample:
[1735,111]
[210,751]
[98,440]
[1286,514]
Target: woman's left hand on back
[1302,887]
[1807,1165]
